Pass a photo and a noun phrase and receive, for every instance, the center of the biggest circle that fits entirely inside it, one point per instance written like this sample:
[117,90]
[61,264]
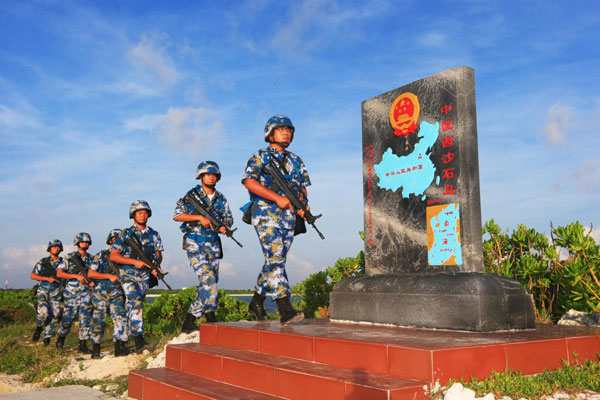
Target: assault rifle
[137,251]
[51,272]
[193,199]
[290,191]
[80,267]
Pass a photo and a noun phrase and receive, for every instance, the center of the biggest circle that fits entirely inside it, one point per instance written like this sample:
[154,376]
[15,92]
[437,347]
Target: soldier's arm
[100,275]
[255,187]
[40,278]
[117,257]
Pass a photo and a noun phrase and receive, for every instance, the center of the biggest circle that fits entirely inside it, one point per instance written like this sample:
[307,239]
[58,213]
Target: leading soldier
[202,244]
[78,293]
[135,277]
[108,293]
[273,217]
[49,293]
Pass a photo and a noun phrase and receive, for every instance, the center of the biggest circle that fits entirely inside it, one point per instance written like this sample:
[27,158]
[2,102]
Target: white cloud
[227,269]
[305,267]
[150,55]
[432,39]
[11,119]
[193,130]
[558,123]
[15,258]
[586,177]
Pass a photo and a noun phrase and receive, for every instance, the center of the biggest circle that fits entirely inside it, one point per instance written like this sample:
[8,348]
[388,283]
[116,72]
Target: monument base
[464,301]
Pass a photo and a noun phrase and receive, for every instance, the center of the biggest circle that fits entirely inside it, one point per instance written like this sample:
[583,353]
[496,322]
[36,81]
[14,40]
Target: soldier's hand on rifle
[113,278]
[140,264]
[223,230]
[81,279]
[205,222]
[53,280]
[283,203]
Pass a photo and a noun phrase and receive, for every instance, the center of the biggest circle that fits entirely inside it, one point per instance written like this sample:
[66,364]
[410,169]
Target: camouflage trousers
[207,294]
[74,301]
[48,311]
[275,243]
[114,300]
[135,285]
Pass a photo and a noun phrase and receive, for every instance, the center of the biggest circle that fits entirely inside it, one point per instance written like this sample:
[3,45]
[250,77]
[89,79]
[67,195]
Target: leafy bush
[16,306]
[313,293]
[561,272]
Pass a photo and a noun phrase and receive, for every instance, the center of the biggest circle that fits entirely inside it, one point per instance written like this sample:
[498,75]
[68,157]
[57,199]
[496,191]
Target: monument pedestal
[463,301]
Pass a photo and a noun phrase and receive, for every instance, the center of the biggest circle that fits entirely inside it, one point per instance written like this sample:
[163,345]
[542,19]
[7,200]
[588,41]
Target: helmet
[208,167]
[139,205]
[112,234]
[54,242]
[82,237]
[277,121]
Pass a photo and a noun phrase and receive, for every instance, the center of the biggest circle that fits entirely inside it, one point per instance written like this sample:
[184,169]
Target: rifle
[192,198]
[80,267]
[289,189]
[136,248]
[51,272]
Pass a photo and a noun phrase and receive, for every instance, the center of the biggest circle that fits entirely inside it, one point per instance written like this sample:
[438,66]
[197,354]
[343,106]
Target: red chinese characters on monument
[449,155]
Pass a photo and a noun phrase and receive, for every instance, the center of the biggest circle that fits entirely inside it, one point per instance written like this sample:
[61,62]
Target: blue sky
[103,103]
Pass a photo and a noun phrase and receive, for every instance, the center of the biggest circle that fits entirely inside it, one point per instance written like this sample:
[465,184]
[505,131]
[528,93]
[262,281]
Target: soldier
[108,294]
[49,293]
[273,217]
[134,273]
[202,244]
[78,293]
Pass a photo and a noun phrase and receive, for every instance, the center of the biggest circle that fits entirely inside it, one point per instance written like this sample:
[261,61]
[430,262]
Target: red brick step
[165,383]
[286,377]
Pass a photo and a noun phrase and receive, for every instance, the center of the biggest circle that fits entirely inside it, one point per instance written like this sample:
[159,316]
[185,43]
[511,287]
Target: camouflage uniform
[274,226]
[107,295]
[49,297]
[135,282]
[204,250]
[77,297]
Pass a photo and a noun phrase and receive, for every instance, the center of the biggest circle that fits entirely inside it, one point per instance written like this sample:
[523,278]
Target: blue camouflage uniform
[49,296]
[274,226]
[204,250]
[135,281]
[77,297]
[107,295]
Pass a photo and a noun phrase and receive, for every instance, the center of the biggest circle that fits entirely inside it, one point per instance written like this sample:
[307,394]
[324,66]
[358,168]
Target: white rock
[459,392]
[579,318]
[489,396]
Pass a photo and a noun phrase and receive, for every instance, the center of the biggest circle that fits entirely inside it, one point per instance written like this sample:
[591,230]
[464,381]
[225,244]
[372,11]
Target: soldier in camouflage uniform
[134,273]
[108,294]
[77,295]
[273,217]
[49,293]
[202,244]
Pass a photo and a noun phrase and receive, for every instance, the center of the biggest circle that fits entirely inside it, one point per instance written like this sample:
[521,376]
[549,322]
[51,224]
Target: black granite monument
[423,244]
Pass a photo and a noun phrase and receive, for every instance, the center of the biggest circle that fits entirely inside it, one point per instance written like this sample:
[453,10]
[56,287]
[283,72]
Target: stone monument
[423,240]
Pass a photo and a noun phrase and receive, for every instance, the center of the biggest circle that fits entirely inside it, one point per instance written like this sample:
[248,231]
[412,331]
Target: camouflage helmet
[112,234]
[139,205]
[275,122]
[82,237]
[53,243]
[208,167]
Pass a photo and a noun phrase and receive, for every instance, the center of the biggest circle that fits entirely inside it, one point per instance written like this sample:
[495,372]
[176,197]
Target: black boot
[37,334]
[140,344]
[46,341]
[95,350]
[83,347]
[60,342]
[287,312]
[256,307]
[210,316]
[121,348]
[189,324]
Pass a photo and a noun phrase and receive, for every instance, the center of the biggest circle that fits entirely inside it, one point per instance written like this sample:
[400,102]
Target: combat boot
[189,324]
[60,342]
[210,316]
[83,347]
[287,312]
[121,348]
[37,334]
[46,341]
[95,350]
[256,307]
[140,344]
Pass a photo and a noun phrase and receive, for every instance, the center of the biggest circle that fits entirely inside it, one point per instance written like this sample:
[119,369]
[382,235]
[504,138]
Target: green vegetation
[556,283]
[16,306]
[570,379]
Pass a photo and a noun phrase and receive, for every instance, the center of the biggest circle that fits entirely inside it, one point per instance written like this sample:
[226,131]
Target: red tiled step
[166,384]
[287,377]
